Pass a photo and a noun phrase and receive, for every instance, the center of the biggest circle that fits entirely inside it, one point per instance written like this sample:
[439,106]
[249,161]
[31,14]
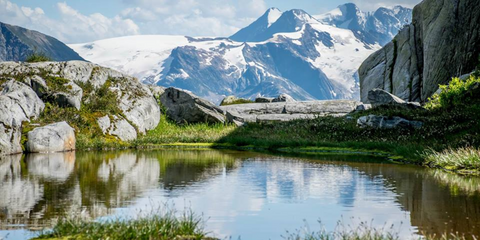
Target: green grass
[454,159]
[168,132]
[362,231]
[37,57]
[156,227]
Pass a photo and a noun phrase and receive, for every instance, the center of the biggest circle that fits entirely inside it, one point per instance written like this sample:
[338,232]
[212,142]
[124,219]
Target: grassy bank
[155,227]
[189,227]
[451,131]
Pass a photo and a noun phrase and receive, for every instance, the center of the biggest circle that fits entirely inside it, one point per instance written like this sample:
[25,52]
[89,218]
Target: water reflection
[255,195]
[19,194]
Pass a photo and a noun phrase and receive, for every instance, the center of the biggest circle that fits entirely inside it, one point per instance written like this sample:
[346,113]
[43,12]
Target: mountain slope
[252,33]
[372,27]
[17,43]
[292,53]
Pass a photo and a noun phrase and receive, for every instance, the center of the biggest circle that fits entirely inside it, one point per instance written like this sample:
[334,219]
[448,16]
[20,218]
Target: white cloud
[193,17]
[185,17]
[72,27]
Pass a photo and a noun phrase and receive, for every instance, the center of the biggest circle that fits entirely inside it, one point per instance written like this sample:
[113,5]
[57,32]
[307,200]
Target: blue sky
[75,21]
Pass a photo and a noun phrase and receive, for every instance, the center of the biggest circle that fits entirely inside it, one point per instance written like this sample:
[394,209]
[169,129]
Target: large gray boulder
[184,107]
[118,127]
[57,137]
[18,103]
[442,42]
[378,97]
[287,111]
[382,122]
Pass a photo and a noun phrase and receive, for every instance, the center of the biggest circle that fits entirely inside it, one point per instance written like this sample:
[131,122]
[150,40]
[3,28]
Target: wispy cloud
[72,26]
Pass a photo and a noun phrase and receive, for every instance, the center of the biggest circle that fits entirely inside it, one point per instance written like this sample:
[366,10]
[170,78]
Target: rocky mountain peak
[377,27]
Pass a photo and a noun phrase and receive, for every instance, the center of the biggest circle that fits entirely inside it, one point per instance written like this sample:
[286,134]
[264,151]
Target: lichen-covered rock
[442,42]
[57,137]
[18,103]
[283,98]
[135,100]
[184,107]
[233,100]
[118,127]
[382,122]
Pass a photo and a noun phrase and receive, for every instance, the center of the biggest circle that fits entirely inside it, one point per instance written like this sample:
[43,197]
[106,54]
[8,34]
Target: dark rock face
[17,43]
[442,42]
[184,107]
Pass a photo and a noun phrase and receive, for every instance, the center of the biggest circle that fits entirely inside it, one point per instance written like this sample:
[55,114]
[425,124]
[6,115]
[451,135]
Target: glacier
[288,52]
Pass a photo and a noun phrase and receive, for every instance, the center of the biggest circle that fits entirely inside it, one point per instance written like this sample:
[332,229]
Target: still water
[240,194]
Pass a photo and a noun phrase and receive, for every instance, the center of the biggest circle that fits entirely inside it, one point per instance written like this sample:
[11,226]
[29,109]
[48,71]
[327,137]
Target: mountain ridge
[17,43]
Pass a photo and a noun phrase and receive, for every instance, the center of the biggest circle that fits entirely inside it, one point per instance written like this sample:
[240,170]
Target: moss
[57,84]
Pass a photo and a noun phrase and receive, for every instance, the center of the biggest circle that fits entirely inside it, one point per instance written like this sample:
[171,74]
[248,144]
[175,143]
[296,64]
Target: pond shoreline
[312,150]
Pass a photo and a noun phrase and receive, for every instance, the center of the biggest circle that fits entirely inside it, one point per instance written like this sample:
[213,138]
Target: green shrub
[456,93]
[37,57]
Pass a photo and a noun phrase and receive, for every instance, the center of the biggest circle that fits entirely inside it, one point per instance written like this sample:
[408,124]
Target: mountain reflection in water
[255,195]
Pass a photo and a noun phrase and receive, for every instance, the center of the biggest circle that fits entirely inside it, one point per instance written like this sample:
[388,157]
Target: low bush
[37,57]
[456,93]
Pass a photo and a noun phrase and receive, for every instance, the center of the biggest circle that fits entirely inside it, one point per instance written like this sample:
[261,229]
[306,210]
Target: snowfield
[300,56]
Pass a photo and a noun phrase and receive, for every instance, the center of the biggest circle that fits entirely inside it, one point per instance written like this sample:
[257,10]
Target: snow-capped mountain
[379,26]
[281,52]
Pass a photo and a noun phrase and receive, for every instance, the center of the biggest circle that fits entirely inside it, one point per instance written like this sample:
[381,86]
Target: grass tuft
[454,159]
[38,57]
[166,226]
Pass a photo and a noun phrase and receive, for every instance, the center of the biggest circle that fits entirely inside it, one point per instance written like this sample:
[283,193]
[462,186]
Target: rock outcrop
[118,127]
[73,84]
[287,111]
[382,122]
[442,42]
[18,103]
[185,107]
[57,137]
